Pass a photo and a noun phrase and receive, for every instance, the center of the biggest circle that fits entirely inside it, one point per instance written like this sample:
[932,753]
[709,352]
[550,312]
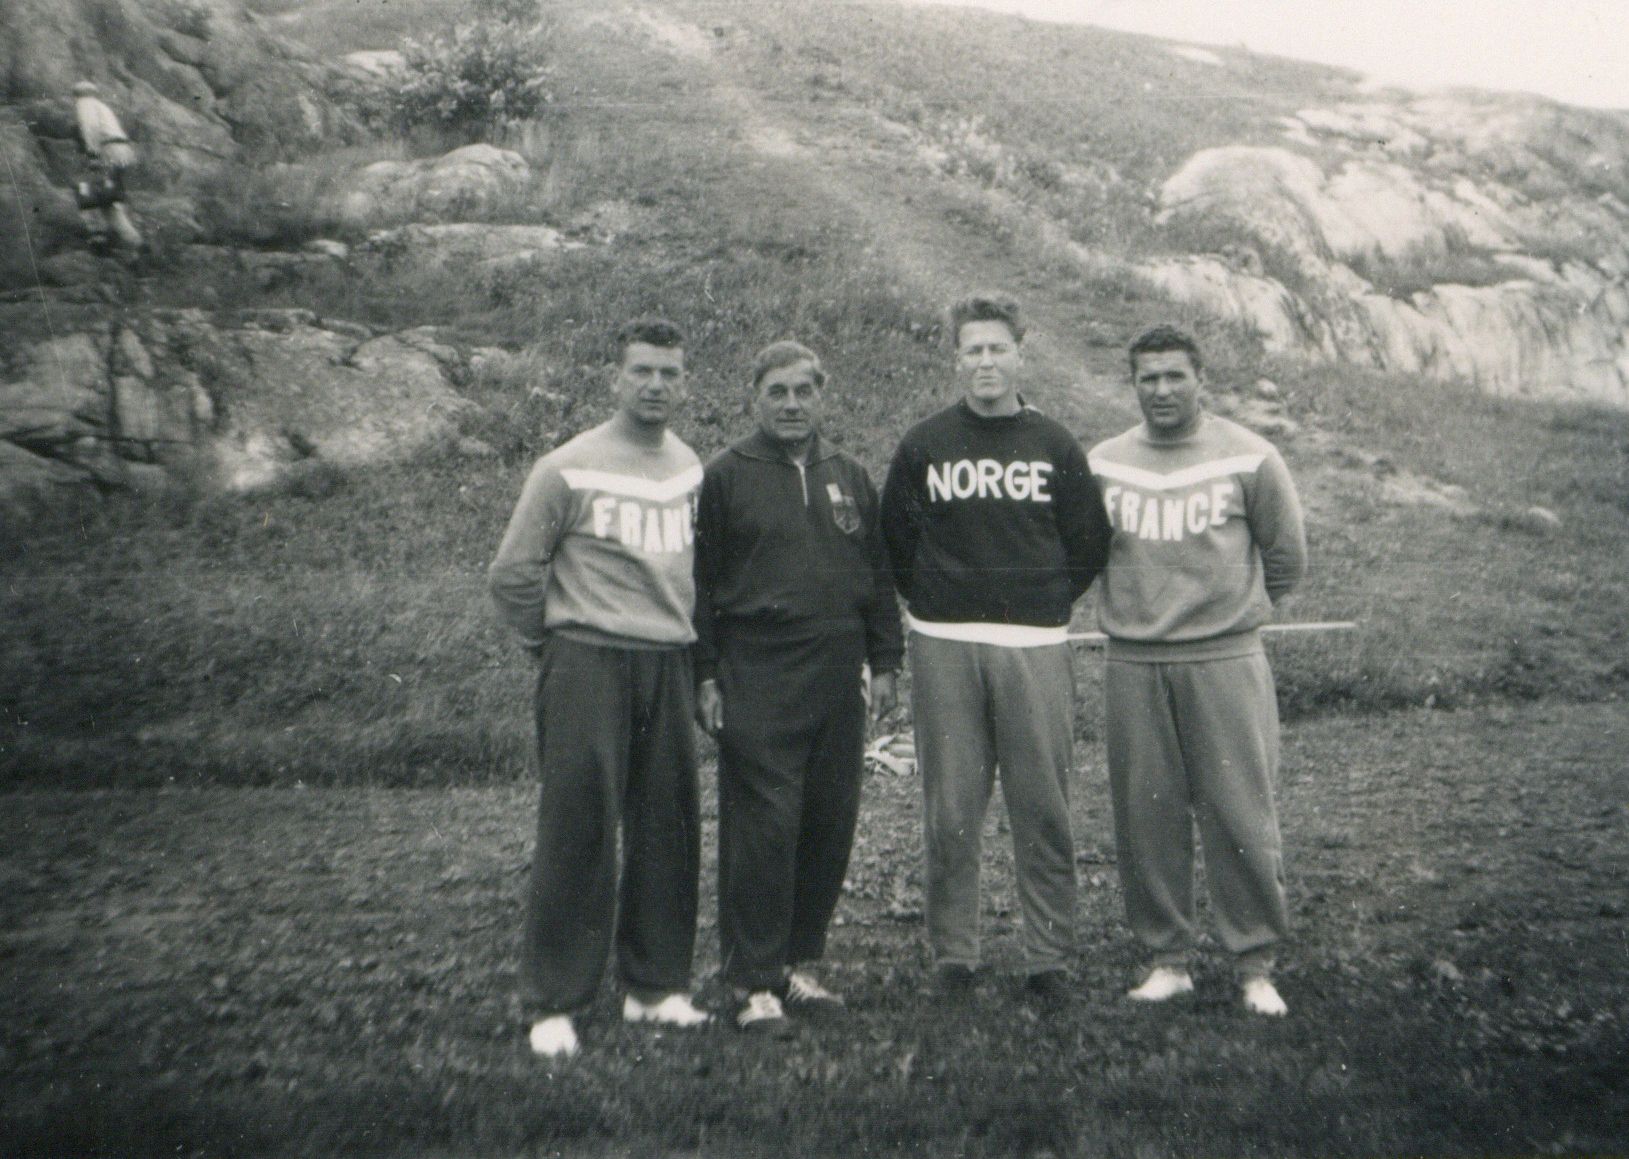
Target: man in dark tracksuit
[793,597]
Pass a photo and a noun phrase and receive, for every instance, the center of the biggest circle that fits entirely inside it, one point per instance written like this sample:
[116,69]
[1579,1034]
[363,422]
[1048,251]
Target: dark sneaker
[1050,988]
[954,980]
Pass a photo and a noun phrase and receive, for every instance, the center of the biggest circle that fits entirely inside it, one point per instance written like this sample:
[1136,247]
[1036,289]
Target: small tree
[479,77]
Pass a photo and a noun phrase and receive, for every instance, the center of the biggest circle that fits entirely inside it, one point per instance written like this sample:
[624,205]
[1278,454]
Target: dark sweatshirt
[788,548]
[993,520]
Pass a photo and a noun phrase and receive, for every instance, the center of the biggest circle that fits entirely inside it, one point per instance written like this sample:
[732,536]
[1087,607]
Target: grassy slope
[284,971]
[766,177]
[281,972]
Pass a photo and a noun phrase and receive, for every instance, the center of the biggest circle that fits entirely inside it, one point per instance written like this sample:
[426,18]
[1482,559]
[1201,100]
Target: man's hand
[883,695]
[710,707]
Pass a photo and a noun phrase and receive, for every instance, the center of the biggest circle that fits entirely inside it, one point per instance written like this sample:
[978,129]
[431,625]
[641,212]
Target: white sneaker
[1261,997]
[675,1010]
[804,989]
[554,1037]
[763,1014]
[1163,983]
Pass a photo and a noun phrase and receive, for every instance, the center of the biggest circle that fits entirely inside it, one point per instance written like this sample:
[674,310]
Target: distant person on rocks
[1208,537]
[793,598]
[110,155]
[596,575]
[994,529]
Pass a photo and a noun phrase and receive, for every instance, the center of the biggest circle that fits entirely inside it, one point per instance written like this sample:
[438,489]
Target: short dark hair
[785,353]
[985,308]
[1159,340]
[652,331]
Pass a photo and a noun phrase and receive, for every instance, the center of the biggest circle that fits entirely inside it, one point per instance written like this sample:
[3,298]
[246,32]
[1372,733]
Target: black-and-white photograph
[735,578]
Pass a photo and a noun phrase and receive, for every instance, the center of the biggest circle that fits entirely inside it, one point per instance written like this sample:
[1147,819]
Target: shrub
[480,77]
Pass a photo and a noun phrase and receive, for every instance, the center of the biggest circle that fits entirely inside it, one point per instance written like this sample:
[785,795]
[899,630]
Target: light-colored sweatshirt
[600,547]
[100,133]
[1208,535]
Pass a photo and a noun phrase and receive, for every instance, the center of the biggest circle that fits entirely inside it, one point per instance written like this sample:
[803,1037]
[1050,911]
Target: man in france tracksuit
[596,575]
[793,597]
[994,528]
[1208,536]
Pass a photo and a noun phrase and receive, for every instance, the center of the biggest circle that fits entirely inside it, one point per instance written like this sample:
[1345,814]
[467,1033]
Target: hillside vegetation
[253,936]
[756,174]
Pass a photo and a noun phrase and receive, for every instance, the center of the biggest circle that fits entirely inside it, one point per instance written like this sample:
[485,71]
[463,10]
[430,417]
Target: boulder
[72,268]
[377,64]
[60,396]
[468,242]
[37,214]
[465,183]
[307,392]
[280,397]
[1467,210]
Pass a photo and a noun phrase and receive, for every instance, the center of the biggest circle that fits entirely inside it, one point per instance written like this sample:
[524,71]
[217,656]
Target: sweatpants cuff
[1253,964]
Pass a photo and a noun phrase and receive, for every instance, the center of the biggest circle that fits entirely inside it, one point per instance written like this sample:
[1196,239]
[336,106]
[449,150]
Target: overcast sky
[1573,50]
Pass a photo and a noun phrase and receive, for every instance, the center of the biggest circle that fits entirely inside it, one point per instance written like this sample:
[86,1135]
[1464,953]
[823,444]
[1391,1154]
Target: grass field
[266,806]
[288,972]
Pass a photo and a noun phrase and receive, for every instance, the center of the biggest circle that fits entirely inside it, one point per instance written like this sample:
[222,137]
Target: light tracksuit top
[1208,535]
[600,547]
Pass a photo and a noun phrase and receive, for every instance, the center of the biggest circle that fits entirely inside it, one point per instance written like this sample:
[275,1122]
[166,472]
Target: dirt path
[856,163]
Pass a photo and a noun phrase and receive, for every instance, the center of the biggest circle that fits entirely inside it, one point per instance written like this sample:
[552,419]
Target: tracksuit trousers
[979,707]
[615,752]
[791,757]
[1197,741]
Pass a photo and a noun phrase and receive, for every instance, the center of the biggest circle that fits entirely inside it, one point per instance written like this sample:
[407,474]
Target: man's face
[1168,389]
[988,362]
[649,384]
[789,404]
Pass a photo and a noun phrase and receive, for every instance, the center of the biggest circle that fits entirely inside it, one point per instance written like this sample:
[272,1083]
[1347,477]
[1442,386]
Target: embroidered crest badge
[844,511]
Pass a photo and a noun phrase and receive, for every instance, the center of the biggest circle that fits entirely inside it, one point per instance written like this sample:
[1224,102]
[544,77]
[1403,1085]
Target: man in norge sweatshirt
[1208,537]
[994,528]
[595,574]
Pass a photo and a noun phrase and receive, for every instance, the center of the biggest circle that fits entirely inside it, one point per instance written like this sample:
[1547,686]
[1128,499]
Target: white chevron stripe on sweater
[1186,477]
[633,486]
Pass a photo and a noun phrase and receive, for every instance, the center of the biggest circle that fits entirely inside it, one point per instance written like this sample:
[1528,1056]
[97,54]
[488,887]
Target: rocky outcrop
[135,402]
[463,185]
[193,81]
[465,243]
[1469,236]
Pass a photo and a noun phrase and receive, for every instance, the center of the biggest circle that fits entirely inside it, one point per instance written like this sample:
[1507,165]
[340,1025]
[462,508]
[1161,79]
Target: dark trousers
[790,760]
[615,750]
